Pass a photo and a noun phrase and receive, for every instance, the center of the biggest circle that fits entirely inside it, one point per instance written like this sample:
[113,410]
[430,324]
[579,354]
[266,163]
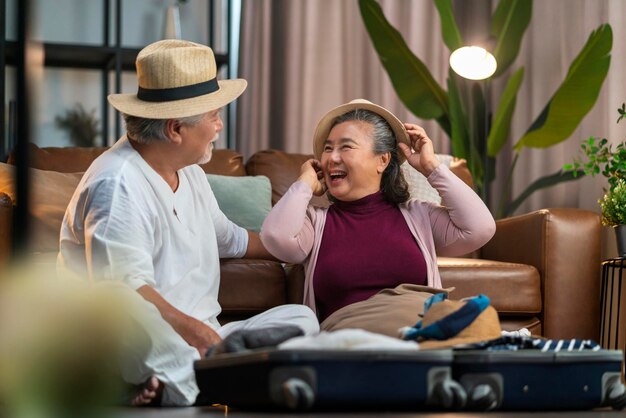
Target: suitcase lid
[298,356]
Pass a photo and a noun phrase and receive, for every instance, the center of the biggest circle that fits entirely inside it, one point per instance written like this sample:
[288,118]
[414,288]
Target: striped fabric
[515,343]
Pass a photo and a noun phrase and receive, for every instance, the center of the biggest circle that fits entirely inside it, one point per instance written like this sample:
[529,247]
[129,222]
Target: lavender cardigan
[293,229]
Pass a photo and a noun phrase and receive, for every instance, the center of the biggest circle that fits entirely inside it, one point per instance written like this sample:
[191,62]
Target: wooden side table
[613,325]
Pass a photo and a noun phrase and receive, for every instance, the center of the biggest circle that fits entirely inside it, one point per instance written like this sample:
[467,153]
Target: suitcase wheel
[482,398]
[449,394]
[616,396]
[298,394]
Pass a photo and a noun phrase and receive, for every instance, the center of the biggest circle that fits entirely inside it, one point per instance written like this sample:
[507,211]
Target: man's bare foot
[149,393]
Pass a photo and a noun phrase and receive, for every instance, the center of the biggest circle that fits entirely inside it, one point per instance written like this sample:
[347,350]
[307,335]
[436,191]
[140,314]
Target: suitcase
[536,380]
[330,380]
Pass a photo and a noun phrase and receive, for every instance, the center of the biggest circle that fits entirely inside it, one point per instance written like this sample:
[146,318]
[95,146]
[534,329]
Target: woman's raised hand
[421,156]
[311,174]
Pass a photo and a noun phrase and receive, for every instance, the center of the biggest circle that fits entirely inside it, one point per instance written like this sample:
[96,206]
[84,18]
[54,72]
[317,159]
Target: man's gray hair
[145,131]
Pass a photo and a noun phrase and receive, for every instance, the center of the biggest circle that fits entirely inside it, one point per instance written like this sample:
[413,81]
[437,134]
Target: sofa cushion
[249,286]
[244,200]
[420,189]
[225,162]
[77,159]
[62,160]
[282,169]
[50,192]
[513,288]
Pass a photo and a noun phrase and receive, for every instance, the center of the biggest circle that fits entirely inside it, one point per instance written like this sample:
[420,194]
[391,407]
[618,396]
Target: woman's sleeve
[287,231]
[464,223]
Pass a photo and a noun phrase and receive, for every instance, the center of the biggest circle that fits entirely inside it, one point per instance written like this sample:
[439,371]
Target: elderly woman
[372,236]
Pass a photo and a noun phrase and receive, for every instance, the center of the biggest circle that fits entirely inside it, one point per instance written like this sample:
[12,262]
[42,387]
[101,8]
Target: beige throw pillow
[385,312]
[50,193]
[419,187]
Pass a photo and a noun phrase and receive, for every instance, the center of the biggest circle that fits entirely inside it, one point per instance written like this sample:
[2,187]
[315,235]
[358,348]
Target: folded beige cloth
[385,312]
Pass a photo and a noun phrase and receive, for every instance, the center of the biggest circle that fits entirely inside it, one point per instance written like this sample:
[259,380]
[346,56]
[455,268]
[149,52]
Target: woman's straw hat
[326,123]
[177,79]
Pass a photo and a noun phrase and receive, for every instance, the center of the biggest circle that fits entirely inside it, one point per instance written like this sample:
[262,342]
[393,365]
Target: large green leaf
[546,181]
[576,95]
[504,113]
[449,30]
[508,24]
[416,87]
[460,137]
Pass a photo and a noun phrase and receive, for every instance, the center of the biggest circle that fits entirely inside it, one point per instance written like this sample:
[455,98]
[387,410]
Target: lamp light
[473,63]
[477,63]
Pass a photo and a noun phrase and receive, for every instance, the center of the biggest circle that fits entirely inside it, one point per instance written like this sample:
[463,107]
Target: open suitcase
[536,380]
[330,380]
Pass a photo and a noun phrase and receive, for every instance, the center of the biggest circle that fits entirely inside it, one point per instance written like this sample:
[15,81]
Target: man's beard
[209,151]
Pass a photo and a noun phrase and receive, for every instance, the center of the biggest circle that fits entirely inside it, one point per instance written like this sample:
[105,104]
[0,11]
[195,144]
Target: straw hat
[326,123]
[177,79]
[450,323]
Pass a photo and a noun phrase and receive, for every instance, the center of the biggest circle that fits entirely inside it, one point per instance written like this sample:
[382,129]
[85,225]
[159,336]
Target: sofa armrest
[295,283]
[6,212]
[564,246]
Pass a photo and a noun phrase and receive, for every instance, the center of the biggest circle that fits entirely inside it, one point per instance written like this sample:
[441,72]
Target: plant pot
[620,235]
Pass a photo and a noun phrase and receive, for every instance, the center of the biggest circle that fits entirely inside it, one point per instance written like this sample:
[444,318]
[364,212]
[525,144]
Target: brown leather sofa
[541,270]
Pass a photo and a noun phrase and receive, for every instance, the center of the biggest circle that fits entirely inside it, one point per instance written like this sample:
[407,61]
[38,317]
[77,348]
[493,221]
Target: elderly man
[144,214]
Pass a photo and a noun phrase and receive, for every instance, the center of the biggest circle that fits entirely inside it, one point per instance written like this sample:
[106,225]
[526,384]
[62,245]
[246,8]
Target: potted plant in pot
[611,163]
[613,206]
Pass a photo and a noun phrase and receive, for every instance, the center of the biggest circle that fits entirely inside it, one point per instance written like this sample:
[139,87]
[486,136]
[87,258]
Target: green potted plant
[80,124]
[461,110]
[611,163]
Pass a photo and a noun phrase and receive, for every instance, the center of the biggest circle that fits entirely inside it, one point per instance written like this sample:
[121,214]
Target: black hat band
[178,93]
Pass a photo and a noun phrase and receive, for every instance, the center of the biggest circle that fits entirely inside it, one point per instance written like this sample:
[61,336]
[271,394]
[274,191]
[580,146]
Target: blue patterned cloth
[450,325]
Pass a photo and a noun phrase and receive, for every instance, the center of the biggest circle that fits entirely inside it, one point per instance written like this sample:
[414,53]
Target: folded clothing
[348,339]
[248,339]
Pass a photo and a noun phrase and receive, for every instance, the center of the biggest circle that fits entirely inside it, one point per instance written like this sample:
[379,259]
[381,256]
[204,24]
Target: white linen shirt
[125,223]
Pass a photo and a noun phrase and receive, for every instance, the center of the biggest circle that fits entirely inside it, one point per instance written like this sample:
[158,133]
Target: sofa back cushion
[283,169]
[50,193]
[76,160]
[62,160]
[56,172]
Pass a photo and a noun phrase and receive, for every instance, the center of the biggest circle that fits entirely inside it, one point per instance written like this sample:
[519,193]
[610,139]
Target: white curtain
[302,58]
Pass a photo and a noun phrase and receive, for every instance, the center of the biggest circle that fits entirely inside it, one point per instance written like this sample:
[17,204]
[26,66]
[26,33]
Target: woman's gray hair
[145,131]
[394,186]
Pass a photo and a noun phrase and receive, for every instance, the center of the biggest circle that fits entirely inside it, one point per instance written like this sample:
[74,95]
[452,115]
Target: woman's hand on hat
[311,174]
[421,155]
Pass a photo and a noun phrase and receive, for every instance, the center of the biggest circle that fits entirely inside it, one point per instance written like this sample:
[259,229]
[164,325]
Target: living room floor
[216,412]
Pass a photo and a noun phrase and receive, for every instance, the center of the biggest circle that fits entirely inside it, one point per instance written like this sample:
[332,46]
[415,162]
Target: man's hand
[197,334]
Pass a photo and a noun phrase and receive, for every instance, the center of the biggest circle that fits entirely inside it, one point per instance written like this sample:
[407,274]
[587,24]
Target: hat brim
[129,103]
[326,123]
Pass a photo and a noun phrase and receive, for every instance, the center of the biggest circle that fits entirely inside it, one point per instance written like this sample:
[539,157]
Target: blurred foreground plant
[61,343]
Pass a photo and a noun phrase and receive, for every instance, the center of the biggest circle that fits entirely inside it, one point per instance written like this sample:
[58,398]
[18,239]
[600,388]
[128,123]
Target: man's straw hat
[177,79]
[326,123]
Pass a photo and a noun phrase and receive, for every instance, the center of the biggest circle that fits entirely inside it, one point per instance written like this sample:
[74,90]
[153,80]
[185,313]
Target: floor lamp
[477,63]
